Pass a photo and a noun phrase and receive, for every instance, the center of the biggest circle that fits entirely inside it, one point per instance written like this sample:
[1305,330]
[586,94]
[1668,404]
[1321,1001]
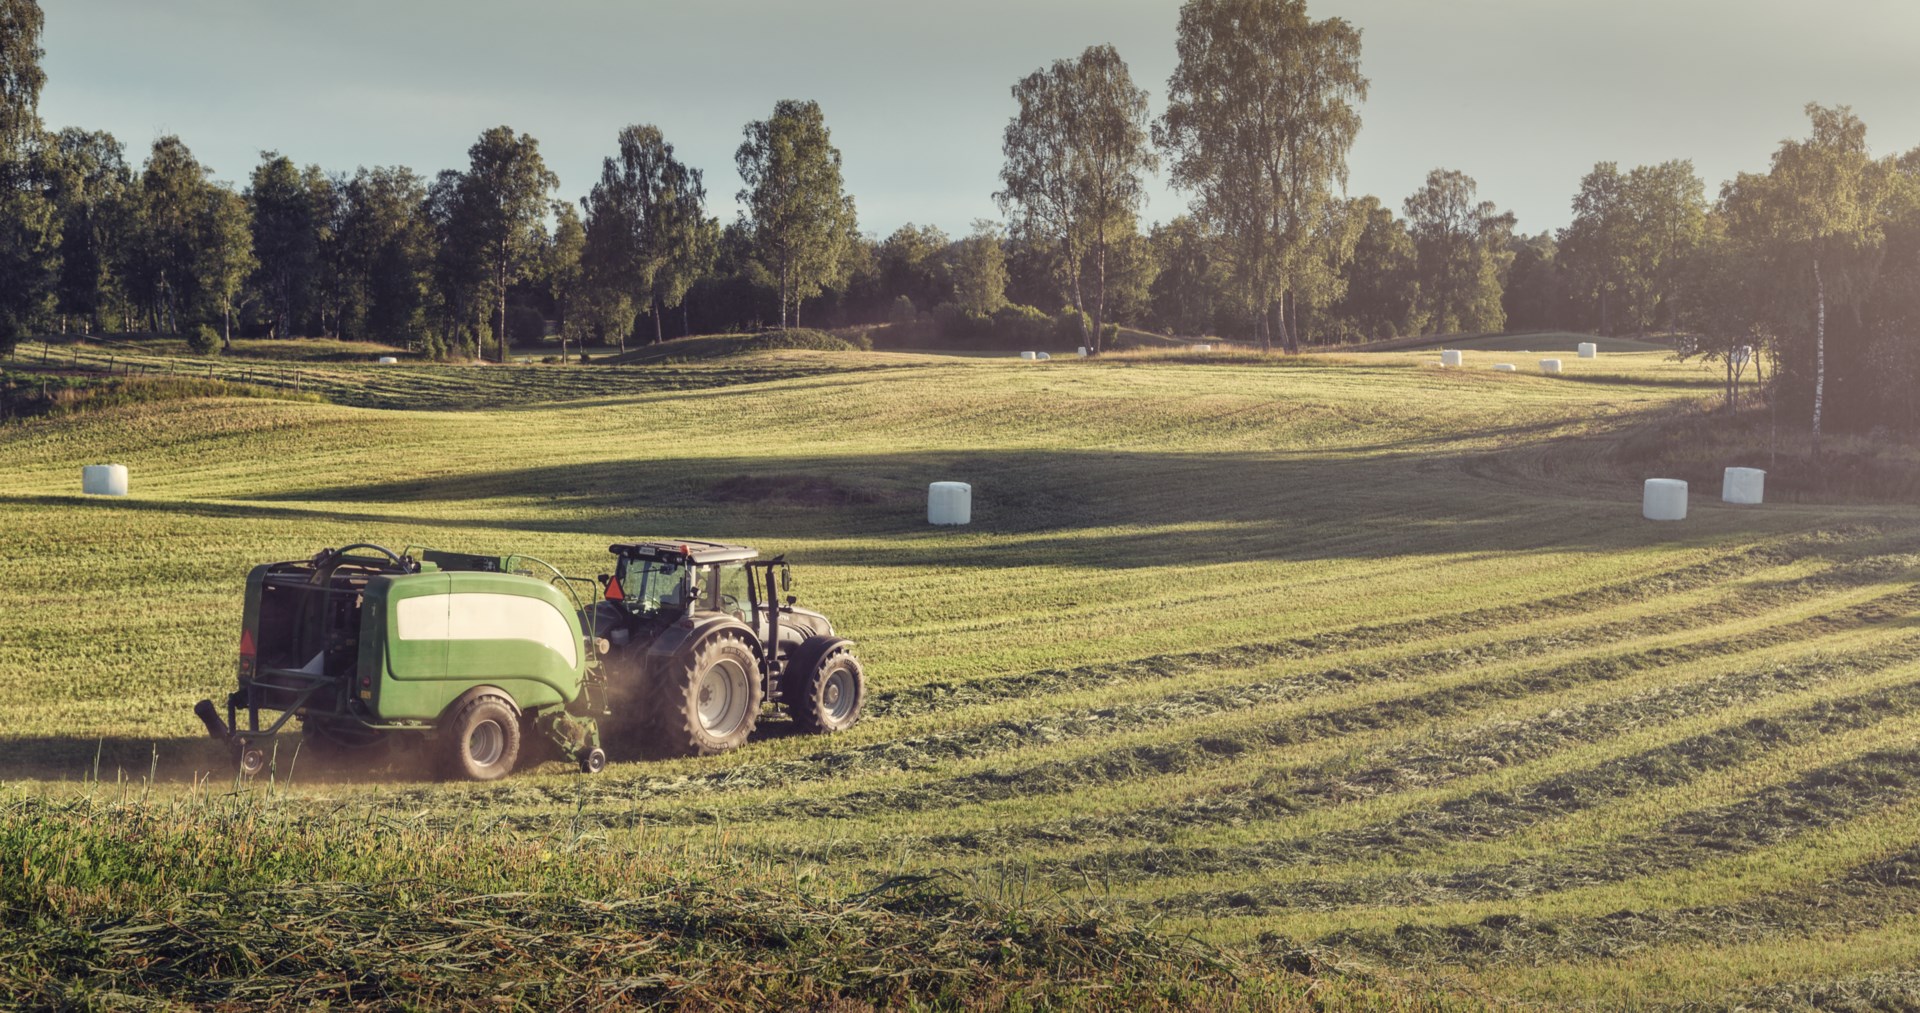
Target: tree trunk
[1819,352]
[686,320]
[226,325]
[1099,289]
[503,301]
[659,329]
[1292,309]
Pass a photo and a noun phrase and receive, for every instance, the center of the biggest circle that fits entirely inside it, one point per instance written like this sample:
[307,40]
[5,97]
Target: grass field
[1337,681]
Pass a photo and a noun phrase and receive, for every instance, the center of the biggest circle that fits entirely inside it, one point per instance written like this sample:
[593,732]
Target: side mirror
[786,578]
[791,599]
[603,579]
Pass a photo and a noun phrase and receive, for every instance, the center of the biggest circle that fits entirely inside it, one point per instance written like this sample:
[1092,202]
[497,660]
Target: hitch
[204,710]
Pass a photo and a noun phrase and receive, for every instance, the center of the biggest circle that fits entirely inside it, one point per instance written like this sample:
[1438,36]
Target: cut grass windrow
[1179,755]
[1821,798]
[1411,764]
[1852,564]
[1868,894]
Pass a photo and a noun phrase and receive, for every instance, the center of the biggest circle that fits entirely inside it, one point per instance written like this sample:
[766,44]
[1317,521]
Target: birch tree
[802,220]
[1076,160]
[1262,110]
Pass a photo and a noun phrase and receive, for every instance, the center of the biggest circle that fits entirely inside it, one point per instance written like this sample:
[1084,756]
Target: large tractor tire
[828,699]
[480,739]
[707,700]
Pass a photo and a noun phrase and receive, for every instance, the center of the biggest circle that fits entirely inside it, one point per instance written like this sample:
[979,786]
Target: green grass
[1347,680]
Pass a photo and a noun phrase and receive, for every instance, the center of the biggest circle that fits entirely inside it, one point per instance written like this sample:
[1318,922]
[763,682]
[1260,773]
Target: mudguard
[477,691]
[806,657]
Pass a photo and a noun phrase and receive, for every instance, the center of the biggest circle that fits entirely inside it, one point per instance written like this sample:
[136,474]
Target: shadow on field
[132,760]
[1066,507]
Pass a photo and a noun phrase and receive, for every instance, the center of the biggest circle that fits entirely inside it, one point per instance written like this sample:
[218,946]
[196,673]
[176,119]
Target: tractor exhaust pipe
[210,717]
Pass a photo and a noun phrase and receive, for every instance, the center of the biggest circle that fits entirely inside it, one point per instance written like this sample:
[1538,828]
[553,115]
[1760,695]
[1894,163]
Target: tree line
[1812,266]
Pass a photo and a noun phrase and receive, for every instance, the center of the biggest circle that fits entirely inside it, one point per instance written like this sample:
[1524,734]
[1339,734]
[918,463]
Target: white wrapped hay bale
[103,480]
[1550,366]
[1505,367]
[1451,357]
[1589,350]
[1745,486]
[1029,356]
[949,503]
[1083,351]
[388,360]
[1199,348]
[1665,499]
[1042,356]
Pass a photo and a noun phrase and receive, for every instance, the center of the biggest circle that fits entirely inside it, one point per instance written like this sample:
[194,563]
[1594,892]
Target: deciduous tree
[802,220]
[1462,245]
[1262,110]
[503,201]
[1076,160]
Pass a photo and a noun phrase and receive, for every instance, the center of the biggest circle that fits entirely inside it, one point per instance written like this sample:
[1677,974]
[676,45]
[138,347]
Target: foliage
[980,270]
[204,340]
[497,218]
[1382,280]
[1261,113]
[289,209]
[1630,234]
[1076,158]
[1462,251]
[648,237]
[802,220]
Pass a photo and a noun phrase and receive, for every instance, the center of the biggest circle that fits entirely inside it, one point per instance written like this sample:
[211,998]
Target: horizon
[920,133]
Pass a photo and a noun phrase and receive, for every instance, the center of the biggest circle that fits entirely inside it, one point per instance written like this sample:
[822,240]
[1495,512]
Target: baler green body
[355,646]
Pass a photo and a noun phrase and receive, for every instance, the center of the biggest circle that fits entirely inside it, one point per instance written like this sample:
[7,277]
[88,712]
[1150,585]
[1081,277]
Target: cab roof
[693,551]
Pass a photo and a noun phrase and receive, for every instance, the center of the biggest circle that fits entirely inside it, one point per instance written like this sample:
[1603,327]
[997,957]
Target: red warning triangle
[614,593]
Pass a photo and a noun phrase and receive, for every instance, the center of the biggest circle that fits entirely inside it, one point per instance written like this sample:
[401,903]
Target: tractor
[472,655]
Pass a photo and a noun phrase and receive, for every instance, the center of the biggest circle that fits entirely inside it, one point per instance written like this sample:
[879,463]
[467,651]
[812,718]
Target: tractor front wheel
[828,698]
[708,700]
[481,740]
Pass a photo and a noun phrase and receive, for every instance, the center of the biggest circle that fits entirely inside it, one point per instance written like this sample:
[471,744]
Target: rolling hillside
[1342,680]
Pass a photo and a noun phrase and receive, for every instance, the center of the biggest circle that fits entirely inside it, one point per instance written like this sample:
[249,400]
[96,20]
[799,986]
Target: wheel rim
[485,743]
[722,697]
[839,696]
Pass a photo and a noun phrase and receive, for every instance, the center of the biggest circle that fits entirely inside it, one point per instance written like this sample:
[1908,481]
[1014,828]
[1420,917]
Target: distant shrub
[1109,335]
[1071,327]
[204,340]
[961,325]
[903,311]
[1024,326]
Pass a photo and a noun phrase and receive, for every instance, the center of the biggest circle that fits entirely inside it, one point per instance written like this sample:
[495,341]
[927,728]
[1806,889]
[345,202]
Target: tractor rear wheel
[828,699]
[708,700]
[481,740]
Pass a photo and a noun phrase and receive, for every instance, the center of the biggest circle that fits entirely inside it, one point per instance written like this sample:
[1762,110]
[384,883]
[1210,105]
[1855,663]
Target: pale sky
[1523,95]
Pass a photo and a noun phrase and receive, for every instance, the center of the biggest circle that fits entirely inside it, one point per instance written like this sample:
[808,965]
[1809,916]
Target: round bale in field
[1505,367]
[103,480]
[949,503]
[1451,357]
[1589,350]
[1665,499]
[1550,367]
[1745,486]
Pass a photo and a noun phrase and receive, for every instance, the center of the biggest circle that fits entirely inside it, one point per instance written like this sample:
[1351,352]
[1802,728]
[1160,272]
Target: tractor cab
[690,625]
